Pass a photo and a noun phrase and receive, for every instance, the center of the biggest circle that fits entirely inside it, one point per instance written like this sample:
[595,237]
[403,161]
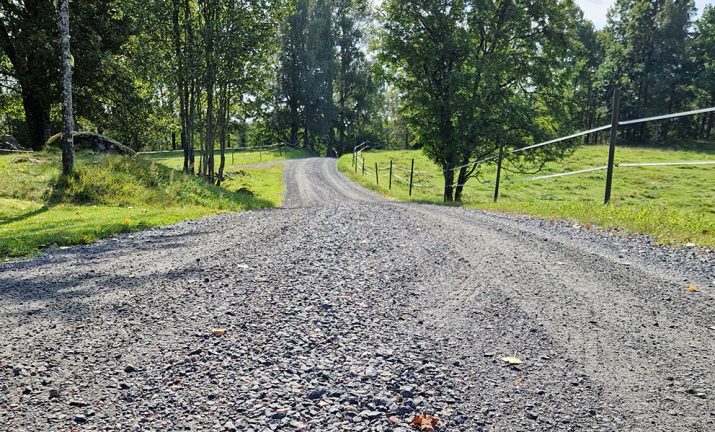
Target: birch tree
[66,73]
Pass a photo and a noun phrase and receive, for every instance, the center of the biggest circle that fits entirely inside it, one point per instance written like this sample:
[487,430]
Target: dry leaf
[693,288]
[425,422]
[512,360]
[218,332]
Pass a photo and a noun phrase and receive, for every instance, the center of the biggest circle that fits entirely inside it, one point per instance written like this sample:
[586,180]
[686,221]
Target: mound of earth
[8,142]
[246,191]
[93,142]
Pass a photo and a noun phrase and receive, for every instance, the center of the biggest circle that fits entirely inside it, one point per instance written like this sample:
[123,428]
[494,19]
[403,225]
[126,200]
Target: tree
[66,71]
[703,49]
[324,84]
[320,106]
[28,38]
[587,96]
[476,75]
[293,71]
[646,56]
[353,78]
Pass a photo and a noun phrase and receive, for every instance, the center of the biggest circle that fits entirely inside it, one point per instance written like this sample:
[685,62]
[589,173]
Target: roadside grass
[264,181]
[114,194]
[673,204]
[235,158]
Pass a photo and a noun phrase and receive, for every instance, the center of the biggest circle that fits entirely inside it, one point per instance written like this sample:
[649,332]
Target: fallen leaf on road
[218,332]
[512,360]
[425,422]
[693,288]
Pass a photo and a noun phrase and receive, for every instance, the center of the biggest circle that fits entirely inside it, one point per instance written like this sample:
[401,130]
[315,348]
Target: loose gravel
[346,312]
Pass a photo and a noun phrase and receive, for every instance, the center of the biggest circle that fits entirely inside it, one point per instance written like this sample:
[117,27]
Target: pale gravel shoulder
[688,263]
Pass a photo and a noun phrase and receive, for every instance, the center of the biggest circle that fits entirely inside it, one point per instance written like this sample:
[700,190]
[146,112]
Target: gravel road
[343,311]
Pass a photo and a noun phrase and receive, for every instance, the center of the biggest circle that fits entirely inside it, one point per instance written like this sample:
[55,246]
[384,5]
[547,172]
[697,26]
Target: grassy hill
[674,204]
[115,194]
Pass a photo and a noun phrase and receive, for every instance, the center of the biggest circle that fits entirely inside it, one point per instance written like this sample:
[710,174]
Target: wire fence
[391,170]
[609,167]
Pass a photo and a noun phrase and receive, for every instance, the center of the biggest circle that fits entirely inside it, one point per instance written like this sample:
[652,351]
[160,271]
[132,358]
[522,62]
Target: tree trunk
[66,74]
[294,127]
[461,180]
[190,90]
[222,134]
[448,185]
[181,85]
[210,22]
[37,118]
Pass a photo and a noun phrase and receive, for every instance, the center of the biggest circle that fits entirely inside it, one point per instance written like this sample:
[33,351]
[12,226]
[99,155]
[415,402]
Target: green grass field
[114,194]
[675,205]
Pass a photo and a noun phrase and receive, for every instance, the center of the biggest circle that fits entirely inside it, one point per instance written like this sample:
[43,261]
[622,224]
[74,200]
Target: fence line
[587,132]
[654,164]
[600,168]
[615,123]
[667,116]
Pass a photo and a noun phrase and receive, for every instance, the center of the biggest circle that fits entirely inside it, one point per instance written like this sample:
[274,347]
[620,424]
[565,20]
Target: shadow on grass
[55,198]
[65,230]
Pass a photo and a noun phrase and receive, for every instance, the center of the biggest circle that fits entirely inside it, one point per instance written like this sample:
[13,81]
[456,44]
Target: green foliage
[326,94]
[704,53]
[649,55]
[477,74]
[99,30]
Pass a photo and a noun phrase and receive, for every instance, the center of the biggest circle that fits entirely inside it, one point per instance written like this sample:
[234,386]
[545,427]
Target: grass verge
[674,204]
[114,194]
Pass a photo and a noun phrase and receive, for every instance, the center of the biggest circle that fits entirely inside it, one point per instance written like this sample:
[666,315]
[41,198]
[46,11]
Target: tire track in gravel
[343,311]
[635,334]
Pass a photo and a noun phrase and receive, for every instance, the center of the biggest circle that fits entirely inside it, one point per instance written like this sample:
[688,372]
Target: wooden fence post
[499,161]
[363,167]
[614,138]
[377,175]
[412,172]
[390,187]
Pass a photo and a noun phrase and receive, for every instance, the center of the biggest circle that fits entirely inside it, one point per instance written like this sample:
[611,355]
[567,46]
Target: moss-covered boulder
[93,142]
[8,142]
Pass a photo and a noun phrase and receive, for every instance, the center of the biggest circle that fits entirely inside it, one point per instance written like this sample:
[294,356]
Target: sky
[595,10]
